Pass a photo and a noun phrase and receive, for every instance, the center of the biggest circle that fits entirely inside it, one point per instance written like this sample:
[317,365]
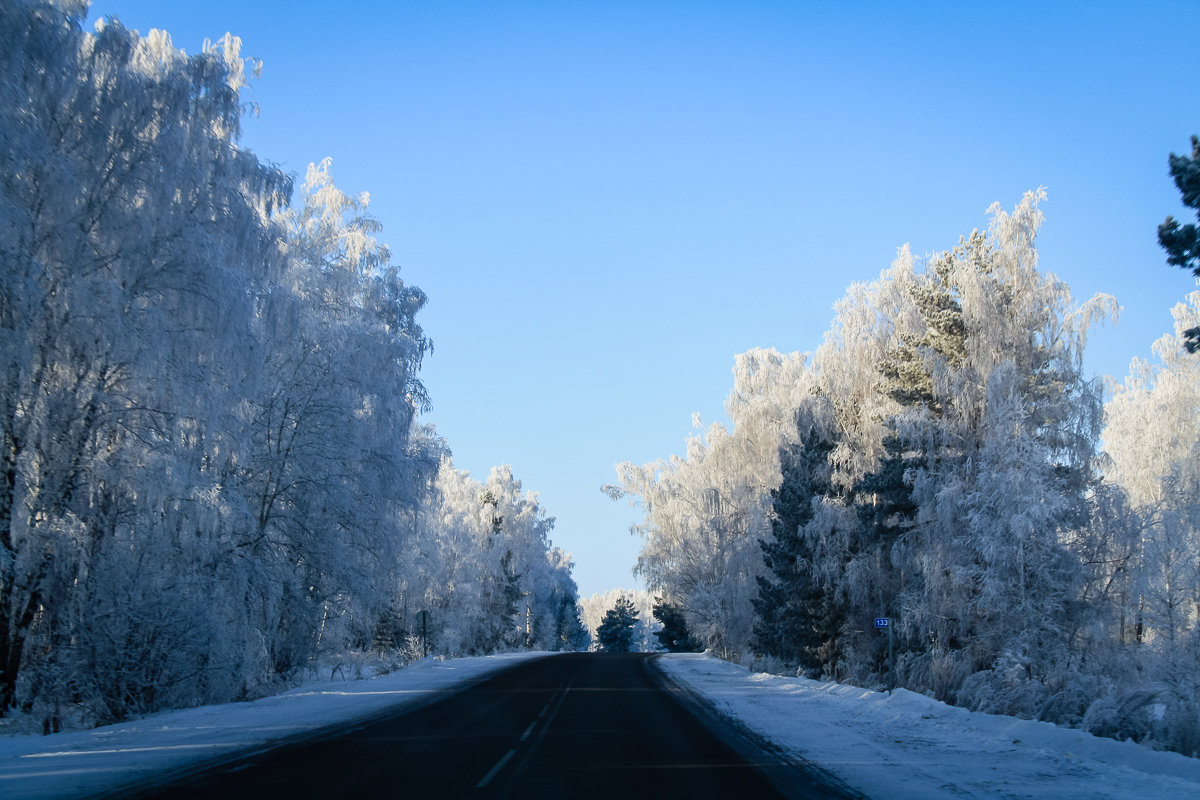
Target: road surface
[576,725]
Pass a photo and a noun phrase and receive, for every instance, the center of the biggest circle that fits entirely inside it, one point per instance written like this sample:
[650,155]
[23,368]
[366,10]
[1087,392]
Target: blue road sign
[882,622]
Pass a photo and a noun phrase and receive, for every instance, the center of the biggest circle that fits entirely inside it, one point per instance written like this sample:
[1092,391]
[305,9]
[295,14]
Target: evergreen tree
[883,497]
[909,371]
[674,635]
[932,345]
[1182,242]
[795,613]
[706,513]
[615,633]
[569,631]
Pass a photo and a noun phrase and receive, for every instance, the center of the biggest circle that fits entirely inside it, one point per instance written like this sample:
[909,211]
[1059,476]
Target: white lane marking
[556,701]
[546,726]
[496,769]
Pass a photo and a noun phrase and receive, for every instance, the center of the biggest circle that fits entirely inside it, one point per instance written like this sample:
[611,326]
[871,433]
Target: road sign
[423,619]
[886,623]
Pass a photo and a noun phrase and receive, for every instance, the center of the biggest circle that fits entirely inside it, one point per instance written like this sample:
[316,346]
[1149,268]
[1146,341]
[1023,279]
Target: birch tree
[1152,438]
[706,513]
[125,194]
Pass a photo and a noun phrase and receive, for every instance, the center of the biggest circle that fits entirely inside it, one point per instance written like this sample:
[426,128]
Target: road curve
[576,725]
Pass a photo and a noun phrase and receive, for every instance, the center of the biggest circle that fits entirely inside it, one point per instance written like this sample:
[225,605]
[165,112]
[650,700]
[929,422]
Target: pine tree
[796,616]
[883,498]
[615,633]
[674,634]
[908,378]
[1182,242]
[569,631]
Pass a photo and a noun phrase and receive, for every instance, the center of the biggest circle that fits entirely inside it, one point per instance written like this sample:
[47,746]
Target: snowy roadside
[80,763]
[903,746]
[910,746]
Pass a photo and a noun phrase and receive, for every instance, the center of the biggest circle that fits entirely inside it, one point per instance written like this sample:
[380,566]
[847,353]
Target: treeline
[209,471]
[943,460]
[593,608]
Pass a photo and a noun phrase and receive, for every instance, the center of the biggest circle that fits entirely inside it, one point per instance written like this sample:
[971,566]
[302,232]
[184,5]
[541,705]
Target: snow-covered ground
[909,746]
[80,763]
[899,746]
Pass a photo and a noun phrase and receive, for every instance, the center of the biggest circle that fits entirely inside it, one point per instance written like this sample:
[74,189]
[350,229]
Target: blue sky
[605,202]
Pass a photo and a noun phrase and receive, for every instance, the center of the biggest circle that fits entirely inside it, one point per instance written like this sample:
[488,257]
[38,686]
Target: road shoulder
[788,772]
[138,754]
[908,746]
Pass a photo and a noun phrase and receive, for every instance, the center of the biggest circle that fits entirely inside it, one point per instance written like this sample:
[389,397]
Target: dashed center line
[496,769]
[552,705]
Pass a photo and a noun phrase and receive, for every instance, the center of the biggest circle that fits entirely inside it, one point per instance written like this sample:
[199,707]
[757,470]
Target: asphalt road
[577,725]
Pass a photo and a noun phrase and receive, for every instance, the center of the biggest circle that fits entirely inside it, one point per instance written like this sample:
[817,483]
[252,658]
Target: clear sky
[606,201]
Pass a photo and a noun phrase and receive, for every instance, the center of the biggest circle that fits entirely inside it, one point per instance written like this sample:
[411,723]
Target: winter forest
[942,460]
[211,476]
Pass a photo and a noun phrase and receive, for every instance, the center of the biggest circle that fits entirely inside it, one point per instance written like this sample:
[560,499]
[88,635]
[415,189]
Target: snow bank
[87,762]
[899,746]
[909,746]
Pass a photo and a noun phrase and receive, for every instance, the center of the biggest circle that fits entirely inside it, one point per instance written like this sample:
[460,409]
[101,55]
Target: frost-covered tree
[209,469]
[674,636]
[615,632]
[645,636]
[943,475]
[136,234]
[1015,458]
[796,616]
[968,473]
[1153,441]
[1150,580]
[488,571]
[706,513]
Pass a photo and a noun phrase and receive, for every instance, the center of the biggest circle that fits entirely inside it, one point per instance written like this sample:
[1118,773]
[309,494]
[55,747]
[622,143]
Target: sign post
[423,621]
[886,622]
